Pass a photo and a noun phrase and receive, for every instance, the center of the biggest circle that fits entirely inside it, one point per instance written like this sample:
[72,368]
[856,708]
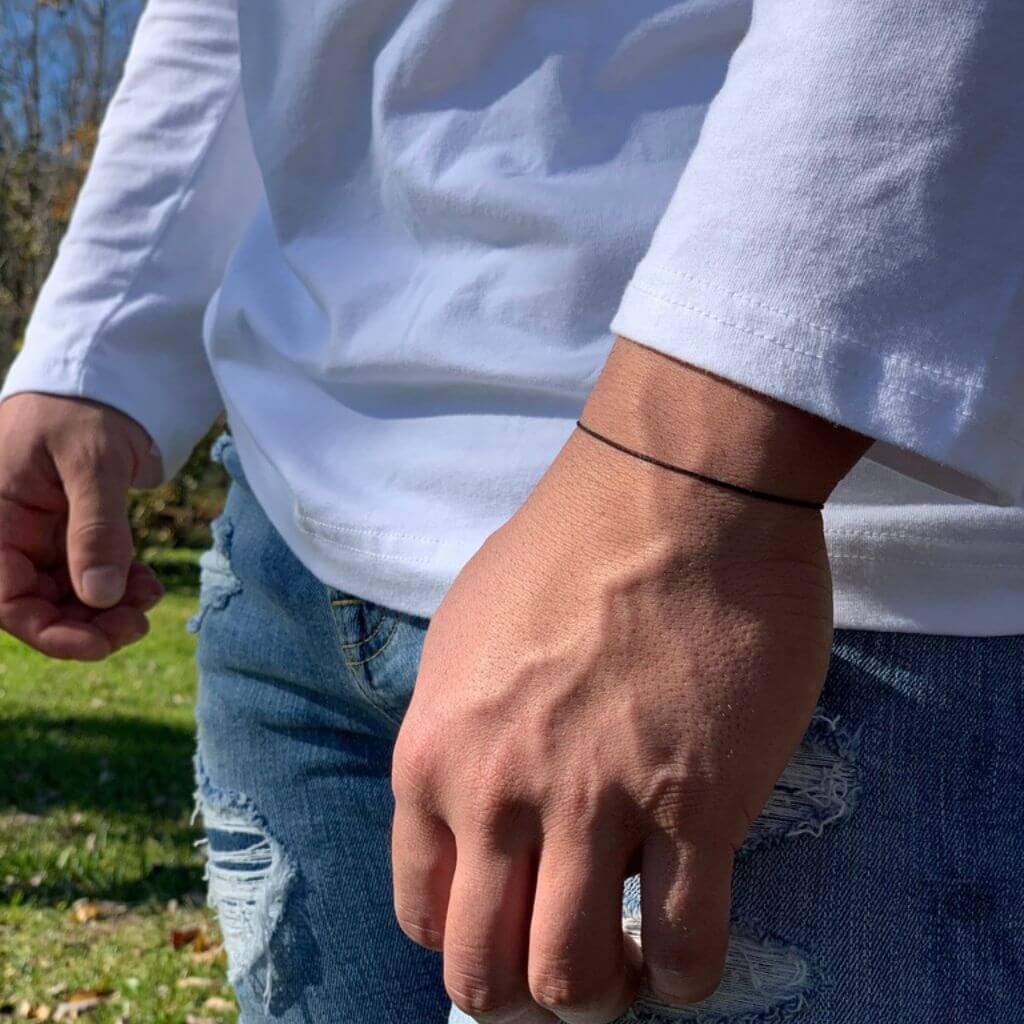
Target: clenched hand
[68,584]
[613,683]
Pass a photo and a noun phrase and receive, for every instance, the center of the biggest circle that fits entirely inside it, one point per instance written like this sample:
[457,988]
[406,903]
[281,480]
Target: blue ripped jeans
[883,883]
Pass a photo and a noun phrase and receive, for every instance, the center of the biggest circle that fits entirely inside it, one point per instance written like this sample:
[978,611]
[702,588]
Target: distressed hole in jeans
[217,580]
[250,877]
[817,790]
[765,981]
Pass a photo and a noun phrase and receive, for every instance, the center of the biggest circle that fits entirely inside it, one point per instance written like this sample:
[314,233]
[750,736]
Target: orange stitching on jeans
[383,647]
[366,639]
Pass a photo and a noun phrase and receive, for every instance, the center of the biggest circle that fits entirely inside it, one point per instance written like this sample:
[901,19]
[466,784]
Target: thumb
[99,539]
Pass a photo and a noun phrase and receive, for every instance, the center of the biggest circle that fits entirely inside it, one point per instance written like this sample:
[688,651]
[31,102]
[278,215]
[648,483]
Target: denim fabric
[883,882]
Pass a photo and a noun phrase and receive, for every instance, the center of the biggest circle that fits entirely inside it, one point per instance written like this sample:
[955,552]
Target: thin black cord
[749,492]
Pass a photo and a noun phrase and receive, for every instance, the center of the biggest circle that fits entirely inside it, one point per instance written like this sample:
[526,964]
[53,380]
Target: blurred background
[101,892]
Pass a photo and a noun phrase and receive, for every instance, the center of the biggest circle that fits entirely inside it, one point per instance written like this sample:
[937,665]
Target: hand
[614,682]
[68,585]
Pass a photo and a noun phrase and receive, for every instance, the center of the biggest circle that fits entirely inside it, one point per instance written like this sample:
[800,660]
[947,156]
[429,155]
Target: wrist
[676,413]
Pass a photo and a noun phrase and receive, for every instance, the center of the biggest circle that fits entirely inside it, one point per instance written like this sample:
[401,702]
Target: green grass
[97,864]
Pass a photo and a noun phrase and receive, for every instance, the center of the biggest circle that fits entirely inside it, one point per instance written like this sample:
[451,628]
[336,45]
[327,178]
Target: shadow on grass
[132,774]
[113,763]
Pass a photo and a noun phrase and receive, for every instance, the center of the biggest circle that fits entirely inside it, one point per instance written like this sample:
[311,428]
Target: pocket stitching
[357,678]
[380,650]
[366,639]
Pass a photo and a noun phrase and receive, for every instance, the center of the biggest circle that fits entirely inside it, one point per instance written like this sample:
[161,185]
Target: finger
[99,539]
[423,863]
[143,589]
[18,576]
[122,625]
[578,962]
[29,530]
[487,932]
[685,893]
[29,613]
[39,624]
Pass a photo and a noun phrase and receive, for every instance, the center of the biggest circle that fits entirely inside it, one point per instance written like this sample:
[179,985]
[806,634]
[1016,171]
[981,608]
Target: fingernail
[102,586]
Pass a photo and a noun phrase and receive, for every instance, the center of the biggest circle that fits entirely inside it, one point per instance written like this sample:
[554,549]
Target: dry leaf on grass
[194,981]
[83,911]
[25,1010]
[79,1002]
[191,1018]
[194,937]
[219,1005]
[211,955]
[183,937]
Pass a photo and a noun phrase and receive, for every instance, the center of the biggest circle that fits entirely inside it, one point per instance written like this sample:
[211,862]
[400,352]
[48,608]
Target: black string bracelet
[749,492]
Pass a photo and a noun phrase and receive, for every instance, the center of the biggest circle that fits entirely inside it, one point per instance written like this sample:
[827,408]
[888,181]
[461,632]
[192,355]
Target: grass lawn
[99,879]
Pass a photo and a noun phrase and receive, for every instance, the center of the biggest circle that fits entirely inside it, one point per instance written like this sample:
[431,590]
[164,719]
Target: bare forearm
[675,412]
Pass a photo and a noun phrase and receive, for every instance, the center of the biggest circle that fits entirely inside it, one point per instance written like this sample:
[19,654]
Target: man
[402,228]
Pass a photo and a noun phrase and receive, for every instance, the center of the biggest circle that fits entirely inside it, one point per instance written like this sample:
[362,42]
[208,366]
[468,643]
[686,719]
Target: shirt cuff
[925,424]
[175,412]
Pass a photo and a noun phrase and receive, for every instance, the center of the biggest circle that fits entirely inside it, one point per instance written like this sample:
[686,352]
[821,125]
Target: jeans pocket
[380,649]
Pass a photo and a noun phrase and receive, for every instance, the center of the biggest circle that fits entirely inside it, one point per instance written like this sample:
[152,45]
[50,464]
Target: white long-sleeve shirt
[394,237]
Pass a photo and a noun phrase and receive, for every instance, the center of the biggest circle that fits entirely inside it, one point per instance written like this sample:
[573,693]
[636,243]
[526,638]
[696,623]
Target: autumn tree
[59,63]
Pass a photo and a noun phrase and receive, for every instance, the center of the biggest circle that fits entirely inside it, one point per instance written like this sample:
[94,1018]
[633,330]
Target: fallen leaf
[191,1018]
[23,1009]
[183,936]
[193,981]
[81,1001]
[219,1005]
[41,1012]
[209,956]
[83,911]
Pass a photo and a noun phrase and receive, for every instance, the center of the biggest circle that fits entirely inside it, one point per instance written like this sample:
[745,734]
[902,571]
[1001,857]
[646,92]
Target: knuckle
[481,997]
[687,803]
[95,461]
[493,806]
[557,989]
[698,980]
[704,988]
[95,535]
[80,459]
[93,528]
[421,930]
[412,766]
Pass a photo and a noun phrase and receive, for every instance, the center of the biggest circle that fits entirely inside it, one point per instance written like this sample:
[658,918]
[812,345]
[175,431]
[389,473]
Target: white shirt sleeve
[172,185]
[848,235]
